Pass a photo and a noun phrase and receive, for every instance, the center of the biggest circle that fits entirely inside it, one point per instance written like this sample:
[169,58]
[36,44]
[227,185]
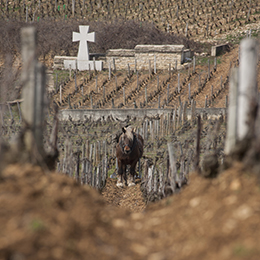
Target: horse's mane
[116,136]
[128,132]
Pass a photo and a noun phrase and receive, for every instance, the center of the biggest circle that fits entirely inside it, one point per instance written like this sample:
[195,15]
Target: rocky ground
[49,216]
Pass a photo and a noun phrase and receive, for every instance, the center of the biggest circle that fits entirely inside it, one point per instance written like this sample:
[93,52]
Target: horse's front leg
[124,174]
[132,174]
[120,173]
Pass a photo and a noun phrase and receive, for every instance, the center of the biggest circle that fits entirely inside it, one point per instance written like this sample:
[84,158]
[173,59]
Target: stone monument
[82,61]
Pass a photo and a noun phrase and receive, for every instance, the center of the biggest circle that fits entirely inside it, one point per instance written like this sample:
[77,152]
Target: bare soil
[49,216]
[150,84]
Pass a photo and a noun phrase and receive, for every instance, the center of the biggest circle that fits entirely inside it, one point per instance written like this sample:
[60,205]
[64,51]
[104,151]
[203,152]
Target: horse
[129,150]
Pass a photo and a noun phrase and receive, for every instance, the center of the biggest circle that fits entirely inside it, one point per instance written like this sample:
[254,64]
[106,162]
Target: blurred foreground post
[231,137]
[34,105]
[33,82]
[247,96]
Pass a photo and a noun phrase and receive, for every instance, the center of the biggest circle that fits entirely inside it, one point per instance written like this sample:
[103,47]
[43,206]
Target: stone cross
[83,37]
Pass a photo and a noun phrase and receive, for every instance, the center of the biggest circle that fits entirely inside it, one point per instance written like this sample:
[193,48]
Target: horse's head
[127,139]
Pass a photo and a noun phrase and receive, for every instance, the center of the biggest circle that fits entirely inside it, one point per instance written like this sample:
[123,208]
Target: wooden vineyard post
[91,153]
[162,125]
[186,29]
[99,176]
[206,99]
[226,101]
[89,71]
[154,64]
[70,71]
[97,152]
[185,112]
[193,111]
[77,166]
[56,84]
[150,178]
[179,117]
[93,177]
[168,89]
[91,102]
[208,68]
[20,113]
[152,130]
[113,103]
[76,88]
[114,65]
[155,181]
[124,99]
[109,70]
[197,158]
[105,154]
[139,169]
[26,15]
[174,120]
[83,169]
[146,129]
[179,83]
[94,64]
[60,94]
[248,96]
[145,169]
[33,82]
[28,37]
[189,92]
[144,132]
[194,64]
[231,137]
[137,82]
[145,91]
[160,188]
[158,127]
[173,170]
[10,111]
[73,7]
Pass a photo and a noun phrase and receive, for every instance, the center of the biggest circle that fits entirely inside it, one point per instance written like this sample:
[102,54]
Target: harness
[122,145]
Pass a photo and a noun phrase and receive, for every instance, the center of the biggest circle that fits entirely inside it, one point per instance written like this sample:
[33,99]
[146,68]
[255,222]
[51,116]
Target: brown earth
[130,198]
[49,216]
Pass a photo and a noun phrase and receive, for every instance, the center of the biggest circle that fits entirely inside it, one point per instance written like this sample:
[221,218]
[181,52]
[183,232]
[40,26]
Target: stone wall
[142,54]
[139,56]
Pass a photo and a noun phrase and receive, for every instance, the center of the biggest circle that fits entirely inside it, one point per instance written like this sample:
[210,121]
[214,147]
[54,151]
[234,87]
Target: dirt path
[129,198]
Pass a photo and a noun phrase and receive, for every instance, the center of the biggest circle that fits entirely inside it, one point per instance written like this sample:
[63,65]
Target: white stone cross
[83,36]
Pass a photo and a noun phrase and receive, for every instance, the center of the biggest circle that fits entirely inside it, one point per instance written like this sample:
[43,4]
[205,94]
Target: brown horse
[129,150]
